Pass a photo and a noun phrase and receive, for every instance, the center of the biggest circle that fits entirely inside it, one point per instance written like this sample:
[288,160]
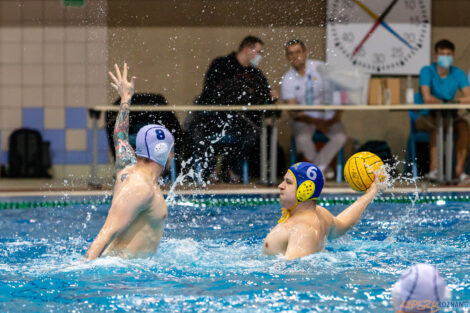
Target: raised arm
[124,153]
[349,217]
[124,209]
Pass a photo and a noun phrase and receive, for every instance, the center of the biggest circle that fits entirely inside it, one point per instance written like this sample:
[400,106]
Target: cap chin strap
[286,213]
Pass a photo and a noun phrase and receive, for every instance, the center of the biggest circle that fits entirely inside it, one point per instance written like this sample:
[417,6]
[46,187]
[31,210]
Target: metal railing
[96,111]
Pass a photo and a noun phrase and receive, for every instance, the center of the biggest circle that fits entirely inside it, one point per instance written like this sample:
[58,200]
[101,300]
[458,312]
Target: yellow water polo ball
[359,170]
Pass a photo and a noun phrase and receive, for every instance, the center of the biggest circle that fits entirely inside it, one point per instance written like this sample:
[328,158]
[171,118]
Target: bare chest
[277,240]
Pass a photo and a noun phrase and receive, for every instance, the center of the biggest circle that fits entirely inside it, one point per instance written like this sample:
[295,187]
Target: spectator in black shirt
[231,80]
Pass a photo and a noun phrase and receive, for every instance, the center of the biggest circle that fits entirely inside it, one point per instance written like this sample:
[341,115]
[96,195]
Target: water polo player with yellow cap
[304,225]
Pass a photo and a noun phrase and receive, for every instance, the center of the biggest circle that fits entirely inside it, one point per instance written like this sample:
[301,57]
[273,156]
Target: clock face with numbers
[379,36]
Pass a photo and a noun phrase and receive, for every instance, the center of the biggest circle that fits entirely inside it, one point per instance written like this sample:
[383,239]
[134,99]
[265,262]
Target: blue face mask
[255,61]
[444,61]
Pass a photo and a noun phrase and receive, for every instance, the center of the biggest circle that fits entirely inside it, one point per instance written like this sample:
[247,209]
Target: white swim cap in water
[419,283]
[154,142]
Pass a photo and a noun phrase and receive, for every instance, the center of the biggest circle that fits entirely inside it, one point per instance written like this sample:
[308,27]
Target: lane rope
[240,201]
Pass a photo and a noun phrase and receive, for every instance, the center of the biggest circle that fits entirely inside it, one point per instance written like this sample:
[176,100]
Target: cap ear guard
[305,190]
[160,153]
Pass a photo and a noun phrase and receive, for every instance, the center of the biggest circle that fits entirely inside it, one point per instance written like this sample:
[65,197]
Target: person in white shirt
[306,123]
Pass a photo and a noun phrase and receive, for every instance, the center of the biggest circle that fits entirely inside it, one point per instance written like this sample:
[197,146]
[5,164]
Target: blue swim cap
[155,143]
[309,180]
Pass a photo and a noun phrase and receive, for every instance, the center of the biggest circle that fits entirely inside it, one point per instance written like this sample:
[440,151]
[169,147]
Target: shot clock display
[379,36]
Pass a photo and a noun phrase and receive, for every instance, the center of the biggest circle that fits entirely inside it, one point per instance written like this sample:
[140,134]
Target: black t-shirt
[227,82]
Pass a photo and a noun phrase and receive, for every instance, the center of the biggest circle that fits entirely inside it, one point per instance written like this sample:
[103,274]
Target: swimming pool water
[209,261]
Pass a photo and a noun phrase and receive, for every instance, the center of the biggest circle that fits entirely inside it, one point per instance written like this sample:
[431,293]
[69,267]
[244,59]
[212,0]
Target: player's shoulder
[323,211]
[135,184]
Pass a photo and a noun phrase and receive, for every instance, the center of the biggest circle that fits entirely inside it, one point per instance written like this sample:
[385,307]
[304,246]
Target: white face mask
[255,61]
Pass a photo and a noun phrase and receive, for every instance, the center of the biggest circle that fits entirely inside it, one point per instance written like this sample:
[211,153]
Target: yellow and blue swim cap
[309,184]
[309,180]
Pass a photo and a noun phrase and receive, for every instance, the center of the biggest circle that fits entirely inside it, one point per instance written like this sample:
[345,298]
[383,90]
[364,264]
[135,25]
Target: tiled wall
[53,67]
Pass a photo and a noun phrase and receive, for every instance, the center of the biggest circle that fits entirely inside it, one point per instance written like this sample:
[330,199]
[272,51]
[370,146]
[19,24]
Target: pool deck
[38,187]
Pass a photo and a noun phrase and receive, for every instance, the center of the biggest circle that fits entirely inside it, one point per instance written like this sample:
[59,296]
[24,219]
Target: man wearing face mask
[234,79]
[439,83]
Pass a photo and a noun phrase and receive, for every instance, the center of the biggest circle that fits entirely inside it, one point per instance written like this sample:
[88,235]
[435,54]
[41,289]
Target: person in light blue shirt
[439,83]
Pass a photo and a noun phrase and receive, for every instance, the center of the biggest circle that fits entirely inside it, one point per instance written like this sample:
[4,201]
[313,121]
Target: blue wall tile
[3,157]
[102,140]
[103,148]
[58,157]
[56,137]
[103,157]
[33,118]
[57,148]
[77,157]
[76,117]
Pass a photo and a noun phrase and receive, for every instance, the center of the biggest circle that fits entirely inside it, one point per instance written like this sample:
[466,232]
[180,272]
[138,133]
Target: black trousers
[219,133]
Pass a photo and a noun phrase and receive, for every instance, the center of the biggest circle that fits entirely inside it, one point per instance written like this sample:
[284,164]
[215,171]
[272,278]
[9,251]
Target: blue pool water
[210,261]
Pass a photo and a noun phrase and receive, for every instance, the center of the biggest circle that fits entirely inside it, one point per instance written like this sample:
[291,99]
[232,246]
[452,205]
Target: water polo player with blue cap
[135,221]
[304,224]
[308,179]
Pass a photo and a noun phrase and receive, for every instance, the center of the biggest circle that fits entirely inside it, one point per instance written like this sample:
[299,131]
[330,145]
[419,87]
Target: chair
[318,136]
[414,137]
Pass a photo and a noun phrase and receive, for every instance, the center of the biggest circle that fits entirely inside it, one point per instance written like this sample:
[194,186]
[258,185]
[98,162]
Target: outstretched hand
[124,88]
[379,183]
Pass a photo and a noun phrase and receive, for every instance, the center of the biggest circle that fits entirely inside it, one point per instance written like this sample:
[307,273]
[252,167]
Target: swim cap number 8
[160,134]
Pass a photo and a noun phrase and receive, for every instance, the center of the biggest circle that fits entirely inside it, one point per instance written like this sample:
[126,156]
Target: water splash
[402,179]
[190,173]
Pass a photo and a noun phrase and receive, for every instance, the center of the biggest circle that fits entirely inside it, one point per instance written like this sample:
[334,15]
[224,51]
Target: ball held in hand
[359,170]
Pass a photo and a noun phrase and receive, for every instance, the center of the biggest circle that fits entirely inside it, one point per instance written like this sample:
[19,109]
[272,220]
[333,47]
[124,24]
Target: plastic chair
[320,137]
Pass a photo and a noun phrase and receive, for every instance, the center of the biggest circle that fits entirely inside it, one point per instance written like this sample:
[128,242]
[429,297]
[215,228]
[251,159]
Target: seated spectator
[230,80]
[421,285]
[439,83]
[137,119]
[297,85]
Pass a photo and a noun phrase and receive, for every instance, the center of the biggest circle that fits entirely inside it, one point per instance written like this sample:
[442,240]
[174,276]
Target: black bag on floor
[28,154]
[381,149]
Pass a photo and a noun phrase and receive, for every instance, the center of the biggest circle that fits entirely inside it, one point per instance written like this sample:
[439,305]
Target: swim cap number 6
[312,173]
